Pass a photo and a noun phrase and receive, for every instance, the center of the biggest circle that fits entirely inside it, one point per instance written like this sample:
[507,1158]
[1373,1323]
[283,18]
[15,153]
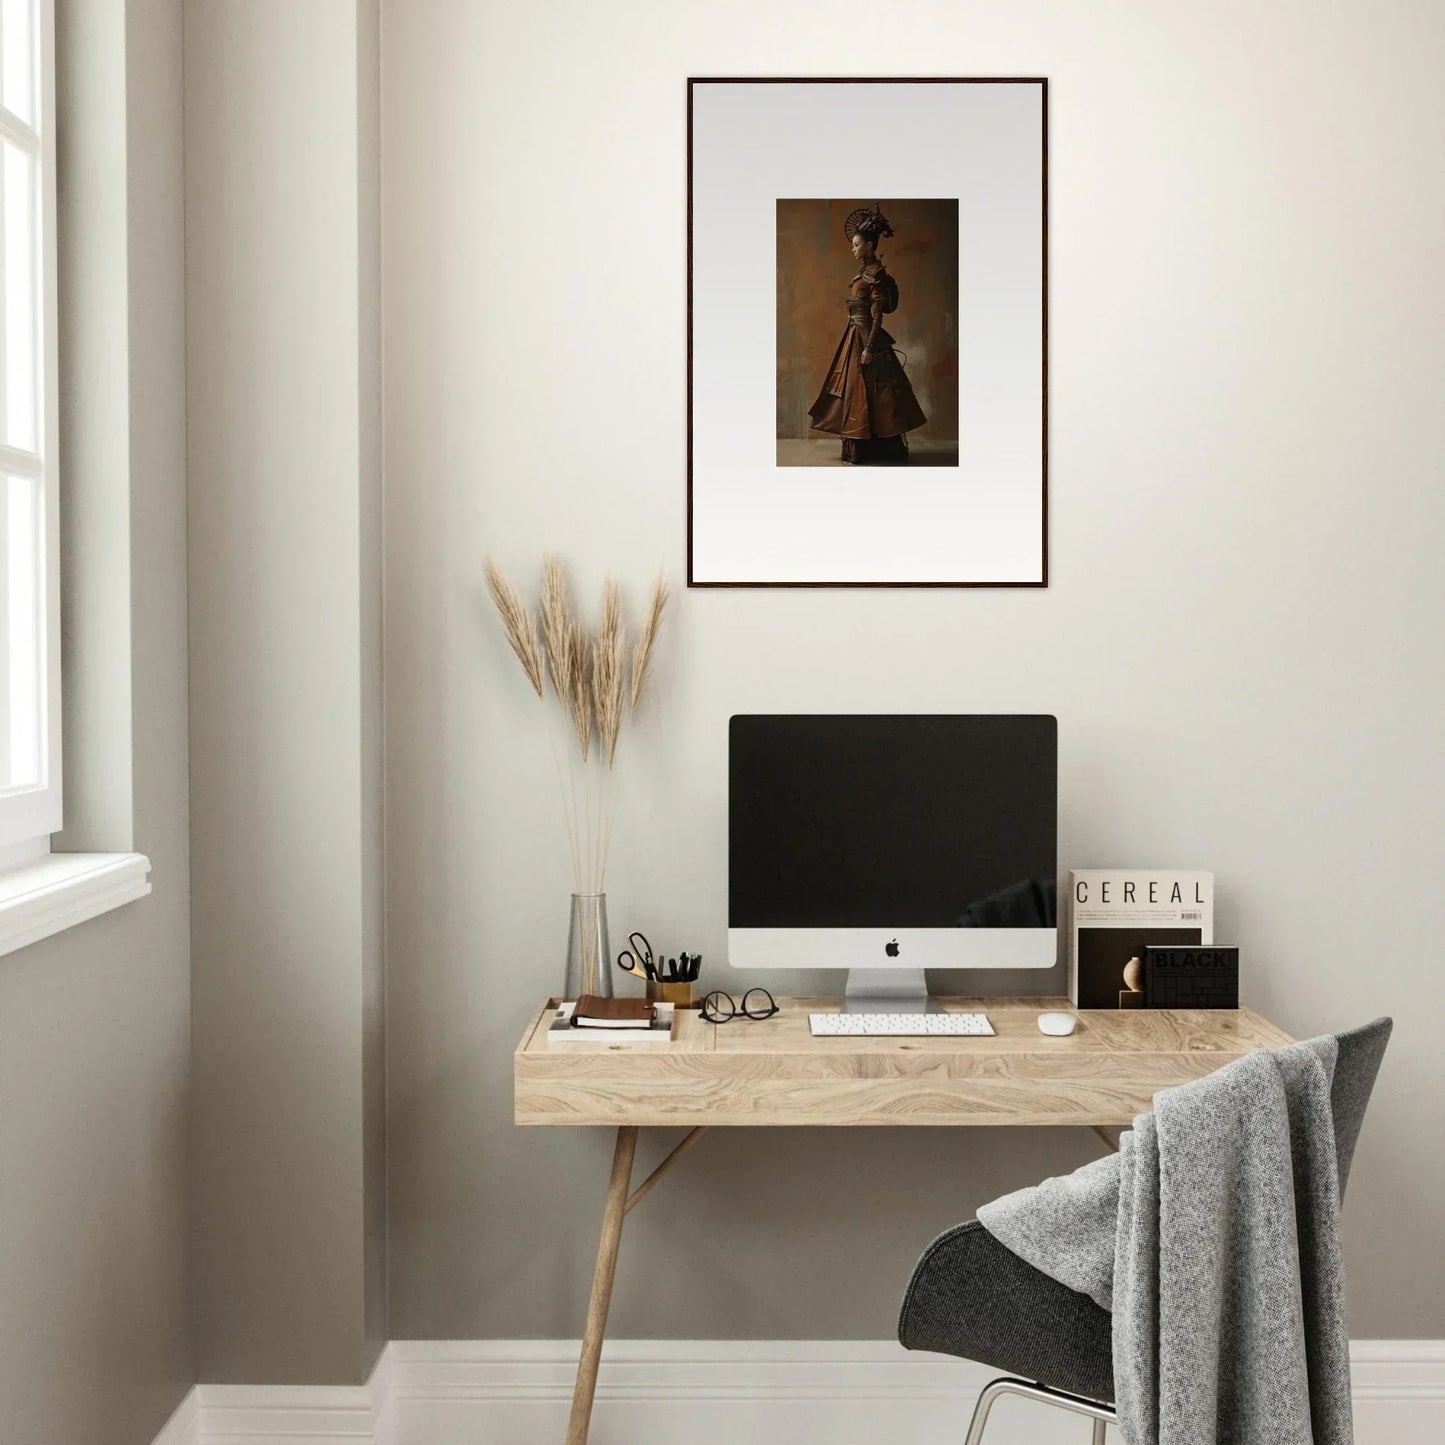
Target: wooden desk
[773,1073]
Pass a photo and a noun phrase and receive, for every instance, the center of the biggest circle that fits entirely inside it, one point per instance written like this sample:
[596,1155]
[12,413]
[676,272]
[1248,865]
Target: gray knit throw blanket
[1213,1236]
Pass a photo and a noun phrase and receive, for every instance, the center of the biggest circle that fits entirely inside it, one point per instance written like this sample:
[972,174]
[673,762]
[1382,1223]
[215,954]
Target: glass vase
[589,956]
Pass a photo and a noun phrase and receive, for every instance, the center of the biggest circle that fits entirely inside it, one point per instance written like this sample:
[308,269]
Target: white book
[1114,912]
[561,1030]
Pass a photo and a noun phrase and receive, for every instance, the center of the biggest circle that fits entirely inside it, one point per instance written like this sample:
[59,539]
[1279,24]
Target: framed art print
[867,338]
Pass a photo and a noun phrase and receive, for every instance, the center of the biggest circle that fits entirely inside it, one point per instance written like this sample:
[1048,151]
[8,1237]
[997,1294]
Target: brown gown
[870,407]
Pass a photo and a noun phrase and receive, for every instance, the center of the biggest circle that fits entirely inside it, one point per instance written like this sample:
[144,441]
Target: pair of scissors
[637,959]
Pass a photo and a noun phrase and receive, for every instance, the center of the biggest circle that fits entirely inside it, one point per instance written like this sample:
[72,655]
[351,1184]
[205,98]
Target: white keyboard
[900,1026]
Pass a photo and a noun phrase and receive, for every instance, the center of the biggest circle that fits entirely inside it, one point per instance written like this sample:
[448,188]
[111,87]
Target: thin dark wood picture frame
[1042,82]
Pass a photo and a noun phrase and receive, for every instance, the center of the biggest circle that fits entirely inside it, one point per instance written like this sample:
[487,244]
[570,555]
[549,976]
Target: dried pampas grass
[579,685]
[647,639]
[556,629]
[518,625]
[590,681]
[608,672]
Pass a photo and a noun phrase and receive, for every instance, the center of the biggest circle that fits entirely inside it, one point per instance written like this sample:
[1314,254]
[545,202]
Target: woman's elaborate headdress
[868,221]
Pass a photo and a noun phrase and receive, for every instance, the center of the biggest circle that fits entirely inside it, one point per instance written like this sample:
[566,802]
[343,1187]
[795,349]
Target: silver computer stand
[887,991]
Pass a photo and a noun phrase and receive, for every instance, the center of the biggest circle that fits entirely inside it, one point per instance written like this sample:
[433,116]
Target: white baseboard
[184,1427]
[714,1392]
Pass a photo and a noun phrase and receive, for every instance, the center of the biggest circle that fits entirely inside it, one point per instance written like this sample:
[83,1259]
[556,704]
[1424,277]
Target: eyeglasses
[719,1008]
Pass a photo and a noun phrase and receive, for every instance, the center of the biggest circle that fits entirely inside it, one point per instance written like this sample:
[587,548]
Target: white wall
[1241,639]
[282,309]
[95,1337]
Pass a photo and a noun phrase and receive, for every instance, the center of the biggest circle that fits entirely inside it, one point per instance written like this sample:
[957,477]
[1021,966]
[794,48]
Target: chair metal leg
[980,1411]
[1098,1412]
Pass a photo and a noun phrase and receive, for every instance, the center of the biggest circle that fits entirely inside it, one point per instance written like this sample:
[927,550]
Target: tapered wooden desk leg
[596,1327]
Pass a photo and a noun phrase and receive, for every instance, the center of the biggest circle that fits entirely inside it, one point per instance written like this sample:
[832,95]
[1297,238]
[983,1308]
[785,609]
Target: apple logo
[891,949]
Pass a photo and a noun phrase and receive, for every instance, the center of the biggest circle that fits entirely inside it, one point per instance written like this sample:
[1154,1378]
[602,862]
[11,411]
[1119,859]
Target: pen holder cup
[679,994]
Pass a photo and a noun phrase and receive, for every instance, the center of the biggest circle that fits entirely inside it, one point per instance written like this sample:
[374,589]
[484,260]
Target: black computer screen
[919,821]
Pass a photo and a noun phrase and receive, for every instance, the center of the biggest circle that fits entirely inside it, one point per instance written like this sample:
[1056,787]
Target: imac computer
[887,845]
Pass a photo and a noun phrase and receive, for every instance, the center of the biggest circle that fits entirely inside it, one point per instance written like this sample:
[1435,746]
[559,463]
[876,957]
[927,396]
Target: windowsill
[62,889]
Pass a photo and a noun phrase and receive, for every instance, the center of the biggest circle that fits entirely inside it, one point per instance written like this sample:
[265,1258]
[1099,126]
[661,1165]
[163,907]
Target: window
[41,892]
[29,558]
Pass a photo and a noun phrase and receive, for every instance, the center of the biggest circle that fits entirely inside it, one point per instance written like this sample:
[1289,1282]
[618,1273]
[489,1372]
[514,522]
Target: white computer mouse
[1057,1024]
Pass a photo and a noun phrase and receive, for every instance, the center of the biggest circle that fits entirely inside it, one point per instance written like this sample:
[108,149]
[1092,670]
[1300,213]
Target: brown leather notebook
[594,1012]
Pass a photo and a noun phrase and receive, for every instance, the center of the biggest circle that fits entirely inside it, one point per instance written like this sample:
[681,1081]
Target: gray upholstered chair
[972,1297]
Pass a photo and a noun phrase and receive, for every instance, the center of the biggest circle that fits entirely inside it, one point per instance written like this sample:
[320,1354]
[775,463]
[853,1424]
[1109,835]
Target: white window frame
[30,814]
[42,892]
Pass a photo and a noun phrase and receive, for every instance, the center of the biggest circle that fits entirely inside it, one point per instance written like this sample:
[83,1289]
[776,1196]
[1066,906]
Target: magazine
[1115,912]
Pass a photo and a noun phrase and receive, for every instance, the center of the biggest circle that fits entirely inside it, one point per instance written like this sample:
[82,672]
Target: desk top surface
[773,1072]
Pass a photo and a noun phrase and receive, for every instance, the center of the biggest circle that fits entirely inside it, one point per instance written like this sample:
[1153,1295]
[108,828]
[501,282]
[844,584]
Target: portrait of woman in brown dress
[866,398]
